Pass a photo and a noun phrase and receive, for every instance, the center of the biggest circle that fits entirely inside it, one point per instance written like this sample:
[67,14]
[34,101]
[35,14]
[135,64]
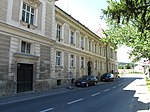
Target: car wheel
[95,83]
[86,84]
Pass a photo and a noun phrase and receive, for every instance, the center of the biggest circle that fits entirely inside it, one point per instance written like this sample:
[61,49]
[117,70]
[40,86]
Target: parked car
[86,81]
[107,77]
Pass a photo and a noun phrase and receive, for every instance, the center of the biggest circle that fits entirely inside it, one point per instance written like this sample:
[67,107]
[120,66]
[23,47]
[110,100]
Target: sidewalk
[143,95]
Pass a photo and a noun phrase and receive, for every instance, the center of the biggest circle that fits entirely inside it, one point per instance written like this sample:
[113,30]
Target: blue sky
[88,13]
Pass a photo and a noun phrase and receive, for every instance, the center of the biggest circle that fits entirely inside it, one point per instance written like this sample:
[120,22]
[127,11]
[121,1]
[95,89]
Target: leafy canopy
[129,24]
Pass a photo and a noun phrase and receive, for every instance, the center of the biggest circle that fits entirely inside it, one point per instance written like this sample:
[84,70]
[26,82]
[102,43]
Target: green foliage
[129,24]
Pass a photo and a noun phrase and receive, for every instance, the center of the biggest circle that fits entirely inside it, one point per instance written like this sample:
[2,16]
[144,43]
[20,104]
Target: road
[105,97]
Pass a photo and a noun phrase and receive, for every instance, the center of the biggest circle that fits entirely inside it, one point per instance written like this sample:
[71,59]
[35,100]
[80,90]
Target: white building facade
[41,46]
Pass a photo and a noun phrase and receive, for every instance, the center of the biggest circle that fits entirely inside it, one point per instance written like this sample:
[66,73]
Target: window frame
[82,62]
[72,60]
[25,10]
[58,32]
[58,58]
[72,37]
[26,47]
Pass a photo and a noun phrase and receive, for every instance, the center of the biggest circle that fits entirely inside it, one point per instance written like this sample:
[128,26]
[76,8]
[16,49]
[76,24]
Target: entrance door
[89,67]
[24,77]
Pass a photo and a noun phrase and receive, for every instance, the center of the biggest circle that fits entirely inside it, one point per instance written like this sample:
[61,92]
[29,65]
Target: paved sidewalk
[142,94]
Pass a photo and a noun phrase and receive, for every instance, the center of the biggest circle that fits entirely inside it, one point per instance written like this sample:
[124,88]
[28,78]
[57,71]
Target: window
[58,32]
[82,42]
[58,58]
[82,62]
[95,48]
[71,60]
[100,65]
[104,52]
[100,50]
[95,64]
[89,45]
[72,37]
[28,14]
[25,47]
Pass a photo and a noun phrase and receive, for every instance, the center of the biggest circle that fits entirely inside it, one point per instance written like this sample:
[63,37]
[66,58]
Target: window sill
[59,39]
[27,25]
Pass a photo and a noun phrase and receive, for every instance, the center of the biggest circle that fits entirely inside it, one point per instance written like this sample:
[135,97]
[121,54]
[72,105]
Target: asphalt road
[104,97]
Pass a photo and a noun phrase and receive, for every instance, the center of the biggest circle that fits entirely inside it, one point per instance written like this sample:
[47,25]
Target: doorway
[89,66]
[24,77]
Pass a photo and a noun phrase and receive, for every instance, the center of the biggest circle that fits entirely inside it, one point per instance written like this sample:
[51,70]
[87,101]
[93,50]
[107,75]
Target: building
[42,47]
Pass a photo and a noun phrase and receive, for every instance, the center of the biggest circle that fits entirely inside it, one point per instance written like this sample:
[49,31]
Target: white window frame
[96,64]
[58,32]
[26,11]
[72,37]
[82,42]
[72,60]
[58,58]
[82,62]
[89,45]
[25,48]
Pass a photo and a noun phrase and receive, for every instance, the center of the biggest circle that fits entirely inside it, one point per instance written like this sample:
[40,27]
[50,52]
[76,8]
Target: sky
[88,13]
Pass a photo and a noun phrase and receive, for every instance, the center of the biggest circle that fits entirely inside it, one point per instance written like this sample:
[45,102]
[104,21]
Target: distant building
[42,46]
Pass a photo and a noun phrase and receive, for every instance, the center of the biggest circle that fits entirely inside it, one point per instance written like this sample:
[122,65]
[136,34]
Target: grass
[148,83]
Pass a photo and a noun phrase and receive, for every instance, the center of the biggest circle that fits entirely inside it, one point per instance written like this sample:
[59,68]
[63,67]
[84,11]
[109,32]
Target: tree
[129,24]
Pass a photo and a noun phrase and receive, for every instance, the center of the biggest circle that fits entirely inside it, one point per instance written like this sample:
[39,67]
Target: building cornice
[9,30]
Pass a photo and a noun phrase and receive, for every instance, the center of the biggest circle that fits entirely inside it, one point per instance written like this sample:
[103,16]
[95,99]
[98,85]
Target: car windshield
[84,77]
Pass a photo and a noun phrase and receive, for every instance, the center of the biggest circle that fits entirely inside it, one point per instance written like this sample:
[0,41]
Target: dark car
[86,81]
[107,77]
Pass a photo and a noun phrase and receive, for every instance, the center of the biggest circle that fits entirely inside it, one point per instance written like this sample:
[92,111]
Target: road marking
[95,94]
[47,110]
[114,87]
[75,101]
[119,84]
[106,90]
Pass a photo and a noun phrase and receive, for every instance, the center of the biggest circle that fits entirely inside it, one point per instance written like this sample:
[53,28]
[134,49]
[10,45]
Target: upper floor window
[72,37]
[104,52]
[95,48]
[100,50]
[71,60]
[25,47]
[89,45]
[28,14]
[82,42]
[58,32]
[58,58]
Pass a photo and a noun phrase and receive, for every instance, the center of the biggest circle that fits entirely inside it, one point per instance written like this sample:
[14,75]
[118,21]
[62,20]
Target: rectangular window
[58,32]
[95,48]
[100,65]
[100,50]
[104,52]
[95,64]
[89,45]
[25,47]
[82,62]
[72,37]
[71,60]
[58,58]
[82,42]
[28,14]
